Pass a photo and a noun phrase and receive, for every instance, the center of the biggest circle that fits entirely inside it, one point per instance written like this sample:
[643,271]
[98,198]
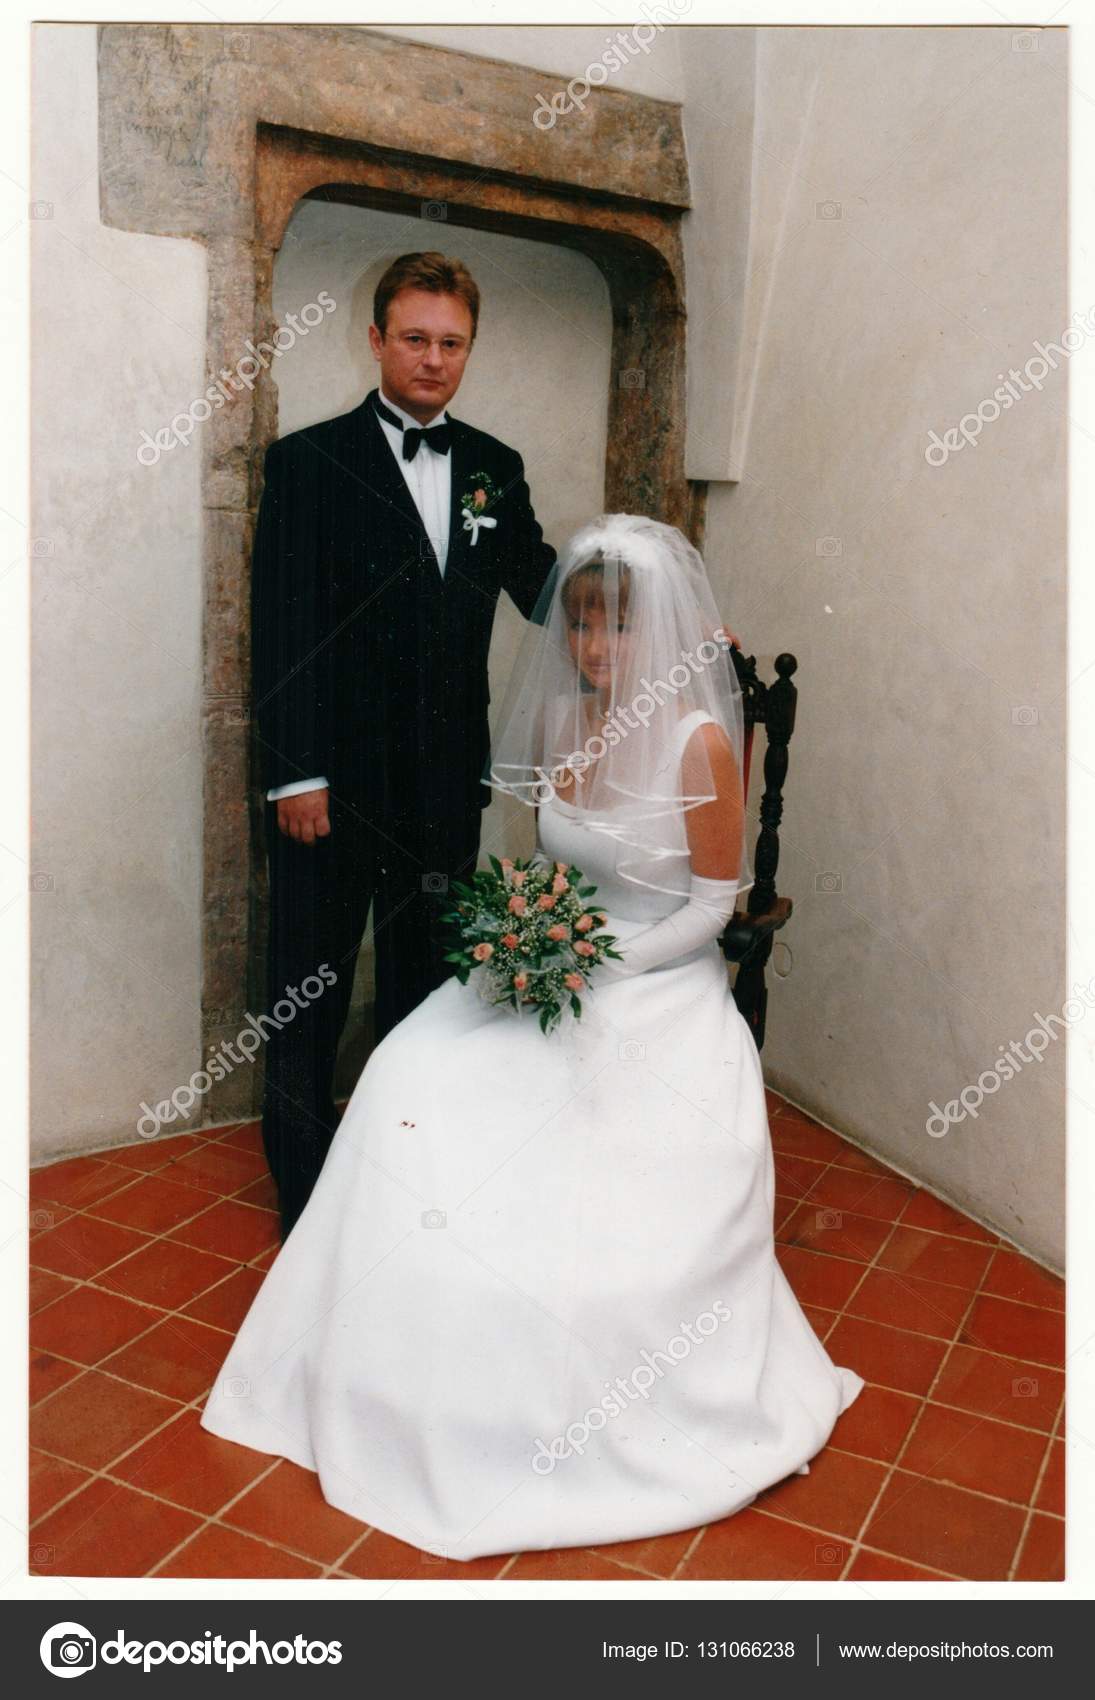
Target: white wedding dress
[533,1300]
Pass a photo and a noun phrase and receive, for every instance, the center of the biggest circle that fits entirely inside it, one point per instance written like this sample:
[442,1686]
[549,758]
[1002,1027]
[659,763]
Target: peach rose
[545,901]
[518,876]
[517,905]
[507,862]
[558,931]
[520,981]
[584,948]
[574,982]
[483,952]
[583,923]
[559,884]
[561,867]
[510,940]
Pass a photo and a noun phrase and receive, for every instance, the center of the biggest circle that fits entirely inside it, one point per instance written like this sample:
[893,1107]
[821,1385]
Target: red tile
[234,1230]
[1023,1331]
[774,1104]
[218,1552]
[88,1324]
[153,1204]
[1012,1276]
[167,1274]
[1016,1392]
[935,1257]
[751,1546]
[226,1305]
[926,1211]
[835,1496]
[905,1301]
[94,1419]
[569,1564]
[262,1192]
[817,1279]
[107,1530]
[153,1154]
[43,1217]
[1051,1494]
[839,1233]
[660,1555]
[83,1246]
[878,1567]
[50,1481]
[798,1136]
[191,1467]
[382,1557]
[247,1136]
[45,1287]
[888,1356]
[47,1374]
[946,1528]
[218,1168]
[796,1175]
[288,1507]
[851,1157]
[876,1425]
[975,1452]
[179,1358]
[880,1196]
[77,1182]
[821,1321]
[1043,1556]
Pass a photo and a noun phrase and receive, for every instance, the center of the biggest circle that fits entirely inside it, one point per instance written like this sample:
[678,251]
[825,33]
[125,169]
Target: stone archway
[217,134]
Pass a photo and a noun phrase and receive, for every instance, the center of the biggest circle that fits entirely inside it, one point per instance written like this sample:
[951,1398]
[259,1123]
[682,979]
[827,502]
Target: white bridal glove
[709,907]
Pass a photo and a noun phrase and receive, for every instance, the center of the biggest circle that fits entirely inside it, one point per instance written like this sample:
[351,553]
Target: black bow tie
[439,437]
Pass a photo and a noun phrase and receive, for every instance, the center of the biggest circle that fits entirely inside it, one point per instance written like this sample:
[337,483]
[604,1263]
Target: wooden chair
[749,936]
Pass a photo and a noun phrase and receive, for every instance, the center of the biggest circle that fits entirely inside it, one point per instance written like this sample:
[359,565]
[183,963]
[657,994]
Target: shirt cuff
[294,789]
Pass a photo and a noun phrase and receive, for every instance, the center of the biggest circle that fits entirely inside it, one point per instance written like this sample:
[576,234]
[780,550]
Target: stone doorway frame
[260,119]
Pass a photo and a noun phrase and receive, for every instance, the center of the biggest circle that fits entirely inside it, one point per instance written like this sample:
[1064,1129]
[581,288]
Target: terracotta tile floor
[144,1260]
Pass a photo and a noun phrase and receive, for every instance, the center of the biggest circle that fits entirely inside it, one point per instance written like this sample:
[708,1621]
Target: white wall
[912,781]
[118,344]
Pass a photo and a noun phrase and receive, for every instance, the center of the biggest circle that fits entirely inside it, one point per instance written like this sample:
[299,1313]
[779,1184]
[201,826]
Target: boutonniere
[476,499]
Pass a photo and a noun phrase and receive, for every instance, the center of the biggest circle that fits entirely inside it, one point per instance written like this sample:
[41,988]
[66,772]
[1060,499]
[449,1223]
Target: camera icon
[829,1219]
[1024,1387]
[41,882]
[70,1651]
[1024,715]
[435,882]
[237,46]
[632,1050]
[633,378]
[436,210]
[40,209]
[433,1218]
[41,546]
[235,1387]
[828,1555]
[829,547]
[1026,41]
[40,1219]
[828,209]
[829,882]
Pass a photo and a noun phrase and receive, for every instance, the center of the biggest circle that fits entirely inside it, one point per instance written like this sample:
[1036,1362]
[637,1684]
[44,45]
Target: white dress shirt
[429,480]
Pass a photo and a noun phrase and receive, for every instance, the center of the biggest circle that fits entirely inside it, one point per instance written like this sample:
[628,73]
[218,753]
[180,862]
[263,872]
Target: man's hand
[304,817]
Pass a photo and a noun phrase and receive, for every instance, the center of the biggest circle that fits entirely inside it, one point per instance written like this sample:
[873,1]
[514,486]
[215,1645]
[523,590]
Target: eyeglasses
[451,347]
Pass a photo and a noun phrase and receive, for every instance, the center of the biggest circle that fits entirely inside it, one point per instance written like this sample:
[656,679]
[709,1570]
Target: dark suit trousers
[320,896]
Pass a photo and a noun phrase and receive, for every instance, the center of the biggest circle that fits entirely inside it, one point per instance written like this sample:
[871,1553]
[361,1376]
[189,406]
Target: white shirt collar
[407,419]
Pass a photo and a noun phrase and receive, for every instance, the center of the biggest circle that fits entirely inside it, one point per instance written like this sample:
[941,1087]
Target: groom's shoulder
[491,450]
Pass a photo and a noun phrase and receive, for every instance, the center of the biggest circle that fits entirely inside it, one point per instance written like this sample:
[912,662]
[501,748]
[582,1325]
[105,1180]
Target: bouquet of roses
[527,925]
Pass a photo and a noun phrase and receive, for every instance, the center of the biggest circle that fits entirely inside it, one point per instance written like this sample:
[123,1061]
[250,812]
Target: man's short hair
[430,271]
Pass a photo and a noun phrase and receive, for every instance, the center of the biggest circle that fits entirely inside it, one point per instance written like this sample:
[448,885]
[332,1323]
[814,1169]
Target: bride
[533,1300]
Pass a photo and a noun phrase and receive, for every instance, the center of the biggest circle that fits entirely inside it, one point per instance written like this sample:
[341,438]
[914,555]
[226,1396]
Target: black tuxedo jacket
[368,665]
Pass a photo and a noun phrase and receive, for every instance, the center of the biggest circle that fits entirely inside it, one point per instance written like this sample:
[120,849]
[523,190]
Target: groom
[383,539]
